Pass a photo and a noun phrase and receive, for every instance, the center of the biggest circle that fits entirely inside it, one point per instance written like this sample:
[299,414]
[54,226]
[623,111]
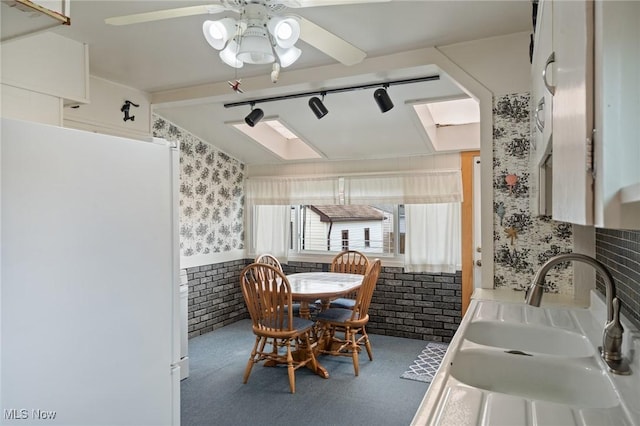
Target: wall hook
[125,109]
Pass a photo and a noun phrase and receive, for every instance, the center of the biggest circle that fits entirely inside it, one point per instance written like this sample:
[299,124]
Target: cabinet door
[573,112]
[541,105]
[617,109]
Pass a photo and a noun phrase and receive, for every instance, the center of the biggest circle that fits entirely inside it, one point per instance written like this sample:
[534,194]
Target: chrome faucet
[611,350]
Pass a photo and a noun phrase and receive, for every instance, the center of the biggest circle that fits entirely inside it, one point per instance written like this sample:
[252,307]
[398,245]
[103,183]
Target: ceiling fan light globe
[229,55]
[288,56]
[255,47]
[285,30]
[217,33]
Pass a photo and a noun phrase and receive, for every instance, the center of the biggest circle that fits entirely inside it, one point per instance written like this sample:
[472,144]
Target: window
[345,239]
[324,215]
[332,228]
[377,230]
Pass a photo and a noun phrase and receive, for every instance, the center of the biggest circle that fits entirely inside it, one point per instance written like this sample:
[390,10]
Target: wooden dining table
[308,287]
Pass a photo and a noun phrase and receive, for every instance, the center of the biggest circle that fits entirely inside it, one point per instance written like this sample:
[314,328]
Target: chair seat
[299,325]
[343,302]
[337,315]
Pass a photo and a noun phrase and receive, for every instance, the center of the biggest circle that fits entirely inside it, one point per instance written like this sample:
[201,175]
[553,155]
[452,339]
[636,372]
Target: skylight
[274,135]
[455,112]
[450,125]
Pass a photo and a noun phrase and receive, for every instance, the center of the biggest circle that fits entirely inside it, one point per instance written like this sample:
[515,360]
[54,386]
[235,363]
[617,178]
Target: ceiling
[171,60]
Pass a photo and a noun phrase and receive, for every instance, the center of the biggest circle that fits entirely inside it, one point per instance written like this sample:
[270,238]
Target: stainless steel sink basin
[529,338]
[571,381]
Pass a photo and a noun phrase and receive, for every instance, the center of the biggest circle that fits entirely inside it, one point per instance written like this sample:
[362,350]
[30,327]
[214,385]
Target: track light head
[254,116]
[318,107]
[382,99]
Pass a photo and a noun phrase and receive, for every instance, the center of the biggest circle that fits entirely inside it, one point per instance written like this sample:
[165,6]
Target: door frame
[466,166]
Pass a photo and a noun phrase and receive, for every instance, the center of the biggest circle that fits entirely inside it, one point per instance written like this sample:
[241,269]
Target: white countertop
[449,401]
[512,296]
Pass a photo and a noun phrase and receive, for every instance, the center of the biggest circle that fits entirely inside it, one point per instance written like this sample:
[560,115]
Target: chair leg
[252,358]
[367,344]
[314,363]
[325,337]
[351,336]
[290,369]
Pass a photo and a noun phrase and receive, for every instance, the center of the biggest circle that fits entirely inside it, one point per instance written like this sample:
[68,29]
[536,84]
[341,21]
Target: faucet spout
[611,350]
[536,289]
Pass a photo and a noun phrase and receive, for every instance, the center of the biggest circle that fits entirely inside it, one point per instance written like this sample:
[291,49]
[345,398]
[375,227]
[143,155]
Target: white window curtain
[432,242]
[271,230]
[442,186]
[432,205]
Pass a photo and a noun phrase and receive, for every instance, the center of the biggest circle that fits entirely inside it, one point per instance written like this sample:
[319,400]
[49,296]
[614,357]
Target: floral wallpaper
[522,242]
[211,194]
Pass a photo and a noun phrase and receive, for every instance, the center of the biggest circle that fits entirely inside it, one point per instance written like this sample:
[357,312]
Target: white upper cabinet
[617,114]
[541,104]
[47,63]
[24,17]
[594,83]
[573,112]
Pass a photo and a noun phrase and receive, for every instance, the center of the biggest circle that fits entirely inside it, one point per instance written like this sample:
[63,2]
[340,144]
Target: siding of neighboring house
[387,232]
[316,232]
[356,235]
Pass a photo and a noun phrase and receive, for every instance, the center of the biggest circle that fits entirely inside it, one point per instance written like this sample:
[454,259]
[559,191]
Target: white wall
[103,114]
[501,64]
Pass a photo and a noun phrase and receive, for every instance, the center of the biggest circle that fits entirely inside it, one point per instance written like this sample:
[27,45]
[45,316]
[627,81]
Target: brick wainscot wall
[418,305]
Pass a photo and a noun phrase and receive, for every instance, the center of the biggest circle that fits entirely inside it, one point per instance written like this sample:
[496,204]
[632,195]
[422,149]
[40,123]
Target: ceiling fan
[261,34]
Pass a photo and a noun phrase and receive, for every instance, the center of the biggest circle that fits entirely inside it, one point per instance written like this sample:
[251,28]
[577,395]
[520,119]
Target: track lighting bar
[338,90]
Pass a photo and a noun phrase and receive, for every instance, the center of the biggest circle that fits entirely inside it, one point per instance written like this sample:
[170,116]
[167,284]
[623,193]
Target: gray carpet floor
[213,394]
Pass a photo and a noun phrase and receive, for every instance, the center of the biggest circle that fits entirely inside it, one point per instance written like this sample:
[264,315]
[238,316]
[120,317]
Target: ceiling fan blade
[318,3]
[330,43]
[159,15]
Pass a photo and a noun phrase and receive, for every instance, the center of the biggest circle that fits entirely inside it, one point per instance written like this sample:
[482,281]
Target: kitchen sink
[529,338]
[571,381]
[510,363]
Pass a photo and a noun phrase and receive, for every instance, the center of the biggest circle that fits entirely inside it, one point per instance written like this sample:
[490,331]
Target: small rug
[425,366]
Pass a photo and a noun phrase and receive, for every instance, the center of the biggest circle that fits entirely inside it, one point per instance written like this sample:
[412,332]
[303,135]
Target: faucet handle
[612,342]
[612,338]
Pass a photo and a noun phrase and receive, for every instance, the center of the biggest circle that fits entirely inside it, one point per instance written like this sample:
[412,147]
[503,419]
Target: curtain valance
[288,191]
[441,186]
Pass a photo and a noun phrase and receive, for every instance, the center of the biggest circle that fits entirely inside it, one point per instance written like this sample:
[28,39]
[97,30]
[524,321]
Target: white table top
[316,285]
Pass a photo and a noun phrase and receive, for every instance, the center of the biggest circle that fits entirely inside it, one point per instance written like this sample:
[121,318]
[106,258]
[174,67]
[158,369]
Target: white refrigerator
[89,290]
